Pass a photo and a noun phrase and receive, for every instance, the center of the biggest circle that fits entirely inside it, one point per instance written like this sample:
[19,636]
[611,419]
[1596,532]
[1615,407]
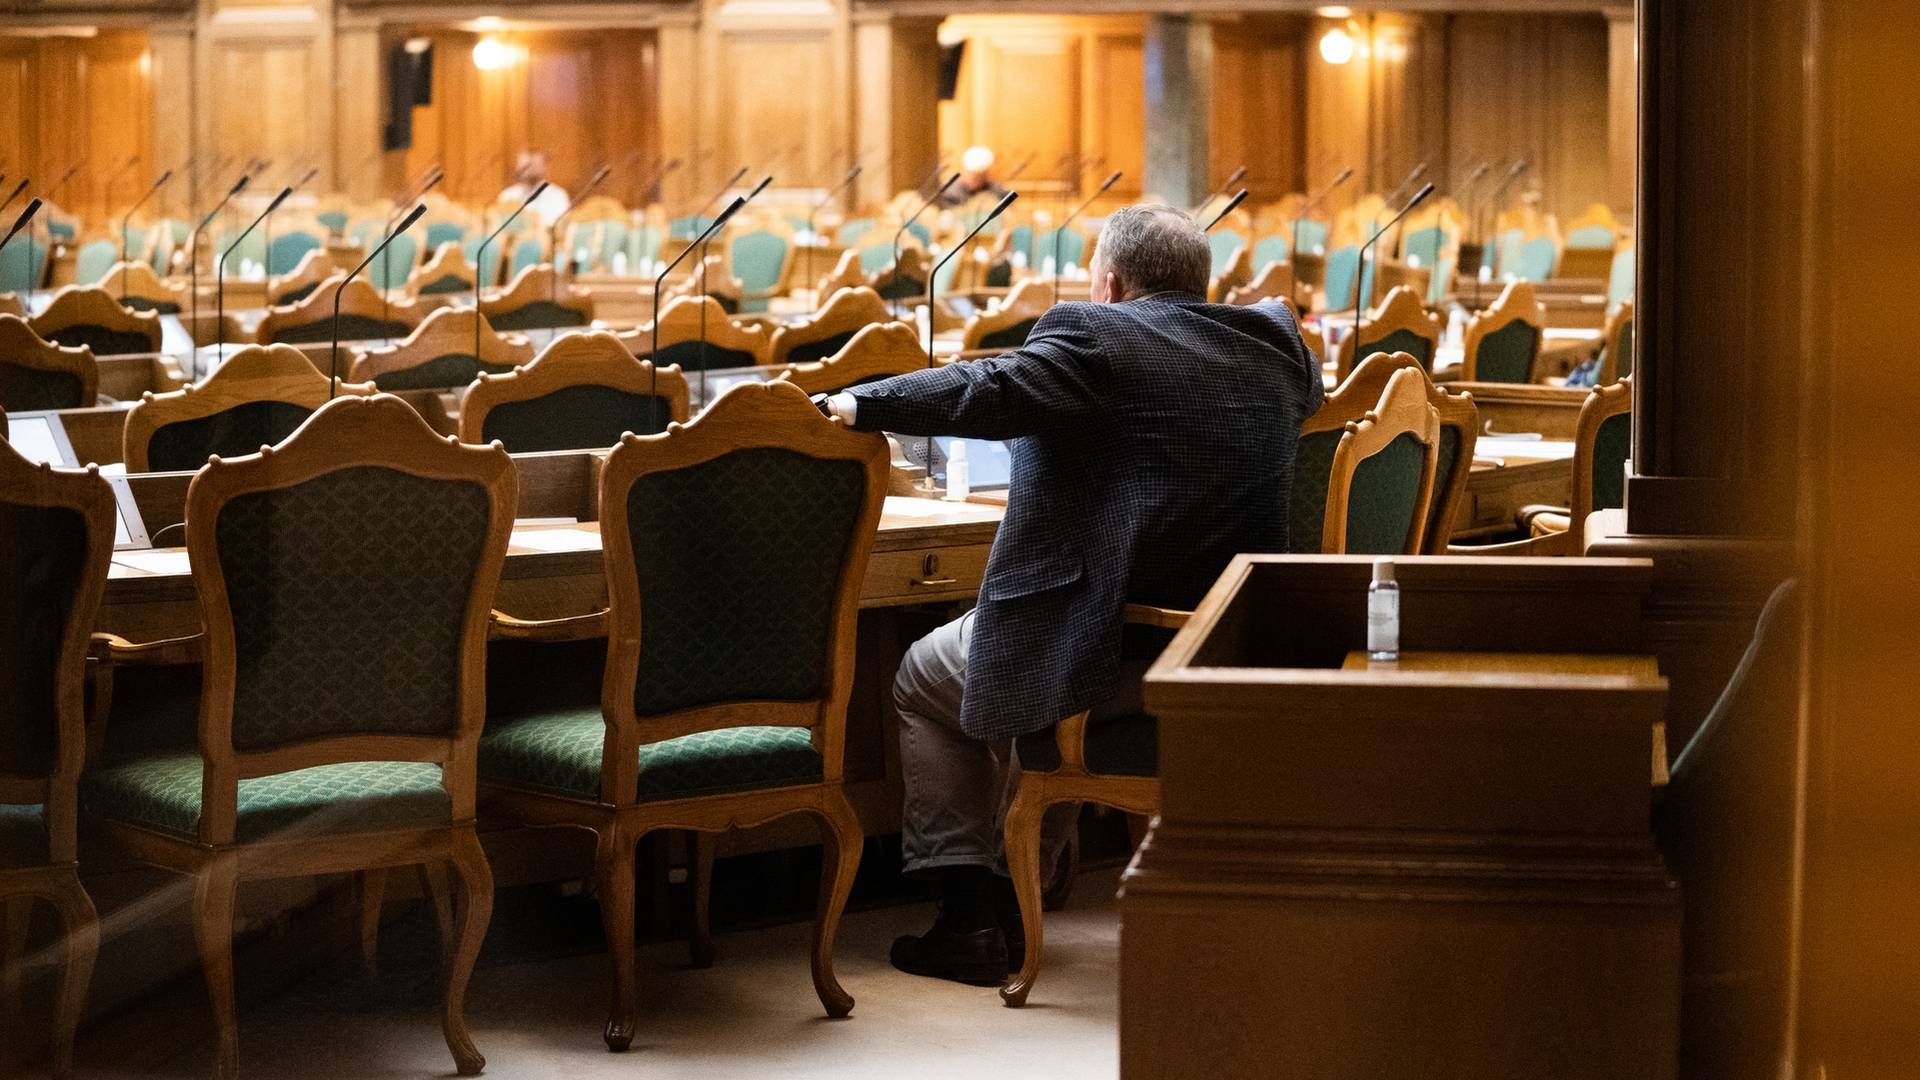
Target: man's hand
[841,406]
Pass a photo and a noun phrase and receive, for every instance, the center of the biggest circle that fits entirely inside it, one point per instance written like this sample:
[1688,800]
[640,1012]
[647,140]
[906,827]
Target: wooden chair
[760,255]
[1320,436]
[1113,761]
[439,354]
[584,392]
[89,316]
[1380,488]
[530,303]
[678,740]
[37,374]
[846,274]
[905,280]
[845,314]
[880,351]
[1602,443]
[688,321]
[1616,350]
[312,271]
[446,271]
[138,288]
[1503,342]
[334,736]
[1269,284]
[363,316]
[1400,324]
[1459,431]
[56,537]
[1006,323]
[260,396]
[1237,272]
[710,278]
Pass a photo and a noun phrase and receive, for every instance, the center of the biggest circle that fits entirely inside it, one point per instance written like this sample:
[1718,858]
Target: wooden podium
[1436,868]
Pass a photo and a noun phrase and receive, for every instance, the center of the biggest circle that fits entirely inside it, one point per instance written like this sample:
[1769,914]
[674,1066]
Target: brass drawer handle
[932,582]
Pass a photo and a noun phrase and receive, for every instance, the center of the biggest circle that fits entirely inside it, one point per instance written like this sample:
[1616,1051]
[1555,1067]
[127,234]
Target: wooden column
[360,105]
[174,108]
[1623,95]
[681,92]
[895,123]
[1179,88]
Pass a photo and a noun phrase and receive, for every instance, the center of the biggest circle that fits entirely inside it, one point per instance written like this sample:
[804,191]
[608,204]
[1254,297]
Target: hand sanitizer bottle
[959,483]
[1383,612]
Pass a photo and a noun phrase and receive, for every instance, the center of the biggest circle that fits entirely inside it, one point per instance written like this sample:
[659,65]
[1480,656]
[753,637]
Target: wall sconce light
[1336,46]
[491,54]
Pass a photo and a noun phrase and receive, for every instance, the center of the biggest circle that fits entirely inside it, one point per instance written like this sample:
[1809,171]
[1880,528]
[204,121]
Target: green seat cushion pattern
[23,389]
[352,328]
[453,369]
[1611,446]
[1010,338]
[243,429]
[297,294]
[43,553]
[1126,745]
[1446,456]
[583,417]
[1507,354]
[142,303]
[102,341]
[23,835]
[819,350]
[538,315]
[757,258]
[1381,506]
[560,752]
[162,792]
[1406,341]
[703,356]
[1307,502]
[447,283]
[738,582]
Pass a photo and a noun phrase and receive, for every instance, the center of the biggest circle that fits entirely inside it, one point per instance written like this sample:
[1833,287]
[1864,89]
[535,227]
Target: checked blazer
[1152,440]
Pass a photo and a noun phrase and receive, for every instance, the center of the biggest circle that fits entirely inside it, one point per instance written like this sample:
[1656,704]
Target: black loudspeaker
[409,83]
[950,57]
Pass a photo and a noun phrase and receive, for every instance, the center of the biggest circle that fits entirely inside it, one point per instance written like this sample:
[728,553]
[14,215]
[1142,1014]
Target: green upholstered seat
[1591,237]
[1445,457]
[819,350]
[185,445]
[161,791]
[23,389]
[538,315]
[288,249]
[583,417]
[1507,354]
[757,257]
[1307,500]
[444,232]
[453,369]
[22,264]
[1536,259]
[1406,341]
[738,582]
[352,328]
[23,835]
[43,553]
[851,232]
[447,283]
[1313,235]
[486,263]
[1127,745]
[526,252]
[1424,245]
[703,356]
[1223,243]
[395,265]
[560,752]
[1343,264]
[1269,250]
[334,220]
[296,294]
[686,228]
[1011,337]
[144,303]
[94,262]
[101,340]
[1381,505]
[1612,445]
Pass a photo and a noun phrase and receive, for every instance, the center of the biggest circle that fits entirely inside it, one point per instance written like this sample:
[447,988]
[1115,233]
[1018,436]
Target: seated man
[1153,439]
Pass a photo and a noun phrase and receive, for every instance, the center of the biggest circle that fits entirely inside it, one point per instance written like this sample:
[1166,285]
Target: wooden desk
[1508,663]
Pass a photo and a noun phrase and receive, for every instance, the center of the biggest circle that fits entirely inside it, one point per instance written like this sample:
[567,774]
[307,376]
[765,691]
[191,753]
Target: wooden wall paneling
[76,100]
[679,87]
[1623,100]
[356,165]
[1577,151]
[173,105]
[1408,77]
[117,123]
[1114,119]
[264,79]
[915,107]
[1259,104]
[1338,117]
[17,151]
[778,90]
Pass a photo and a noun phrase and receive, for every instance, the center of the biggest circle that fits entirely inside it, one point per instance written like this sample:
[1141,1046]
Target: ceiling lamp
[1336,46]
[490,54]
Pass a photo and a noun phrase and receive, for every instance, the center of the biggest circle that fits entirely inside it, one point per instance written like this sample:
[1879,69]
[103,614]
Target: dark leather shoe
[977,957]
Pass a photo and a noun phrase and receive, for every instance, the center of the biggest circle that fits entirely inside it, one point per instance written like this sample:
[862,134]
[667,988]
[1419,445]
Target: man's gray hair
[1154,249]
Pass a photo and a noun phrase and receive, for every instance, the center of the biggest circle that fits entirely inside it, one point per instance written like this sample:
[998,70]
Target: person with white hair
[976,178]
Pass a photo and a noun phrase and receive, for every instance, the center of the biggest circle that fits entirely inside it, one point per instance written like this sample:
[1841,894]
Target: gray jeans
[958,787]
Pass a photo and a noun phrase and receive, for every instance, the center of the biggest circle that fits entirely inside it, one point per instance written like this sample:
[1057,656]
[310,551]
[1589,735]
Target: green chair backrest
[1073,246]
[43,562]
[288,249]
[1591,237]
[875,257]
[1612,445]
[489,267]
[525,253]
[439,373]
[1269,250]
[1507,354]
[253,248]
[1386,491]
[24,389]
[1403,340]
[62,230]
[686,228]
[1446,456]
[23,265]
[1343,266]
[1307,498]
[851,232]
[644,243]
[1313,235]
[445,232]
[580,417]
[186,445]
[103,341]
[1620,278]
[392,268]
[1224,242]
[757,257]
[334,220]
[1536,260]
[1424,245]
[94,262]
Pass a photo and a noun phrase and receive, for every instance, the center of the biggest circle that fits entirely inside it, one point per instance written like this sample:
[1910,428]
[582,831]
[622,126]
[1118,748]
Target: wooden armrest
[118,650]
[1148,615]
[1550,544]
[572,628]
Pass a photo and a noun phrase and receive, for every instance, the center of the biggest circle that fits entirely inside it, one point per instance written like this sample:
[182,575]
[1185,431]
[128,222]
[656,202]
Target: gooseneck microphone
[333,369]
[1225,186]
[701,271]
[553,231]
[1232,205]
[660,282]
[1293,251]
[1360,276]
[107,193]
[220,274]
[724,188]
[480,256]
[933,277]
[1068,220]
[434,175]
[659,176]
[1413,177]
[15,193]
[193,271]
[907,224]
[1493,204]
[266,231]
[813,239]
[19,223]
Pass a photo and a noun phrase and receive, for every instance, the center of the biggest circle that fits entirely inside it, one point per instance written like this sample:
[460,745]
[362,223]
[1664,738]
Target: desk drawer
[924,574]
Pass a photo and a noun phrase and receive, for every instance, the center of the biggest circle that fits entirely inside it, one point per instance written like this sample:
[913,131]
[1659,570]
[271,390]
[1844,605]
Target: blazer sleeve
[1056,382]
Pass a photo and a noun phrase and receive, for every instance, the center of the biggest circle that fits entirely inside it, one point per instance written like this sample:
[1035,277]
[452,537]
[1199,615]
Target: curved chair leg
[213,889]
[613,863]
[438,889]
[700,927]
[841,840]
[372,899]
[473,911]
[1021,838]
[18,913]
[82,939]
